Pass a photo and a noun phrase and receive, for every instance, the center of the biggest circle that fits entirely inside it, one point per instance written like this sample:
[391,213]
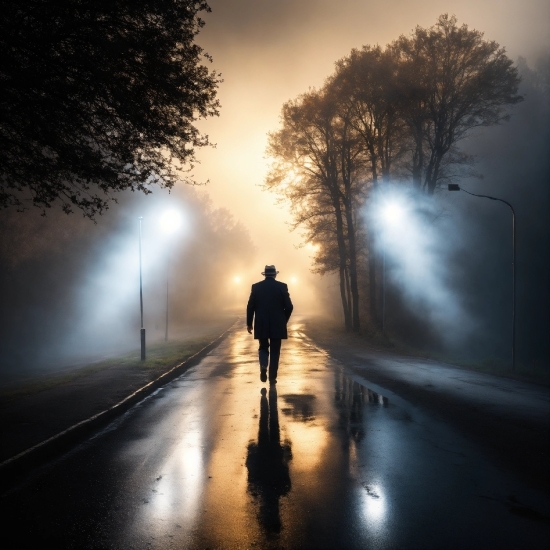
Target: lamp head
[392,213]
[170,221]
[453,187]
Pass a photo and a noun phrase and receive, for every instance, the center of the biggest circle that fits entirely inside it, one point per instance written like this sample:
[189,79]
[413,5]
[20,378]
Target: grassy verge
[160,358]
[325,332]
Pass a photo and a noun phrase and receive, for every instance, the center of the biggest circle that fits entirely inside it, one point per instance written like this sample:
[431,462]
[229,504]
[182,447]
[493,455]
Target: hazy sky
[269,51]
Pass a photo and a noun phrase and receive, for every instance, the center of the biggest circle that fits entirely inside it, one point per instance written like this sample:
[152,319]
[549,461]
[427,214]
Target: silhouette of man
[270,307]
[267,463]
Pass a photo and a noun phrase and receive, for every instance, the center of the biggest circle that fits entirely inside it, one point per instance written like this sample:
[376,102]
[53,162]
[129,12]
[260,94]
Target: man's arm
[287,303]
[250,308]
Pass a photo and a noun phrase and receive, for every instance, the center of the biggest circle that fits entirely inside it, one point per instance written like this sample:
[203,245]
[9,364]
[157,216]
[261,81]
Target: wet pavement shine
[322,459]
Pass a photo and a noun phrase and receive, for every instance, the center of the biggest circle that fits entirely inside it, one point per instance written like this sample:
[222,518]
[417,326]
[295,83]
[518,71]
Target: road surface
[322,459]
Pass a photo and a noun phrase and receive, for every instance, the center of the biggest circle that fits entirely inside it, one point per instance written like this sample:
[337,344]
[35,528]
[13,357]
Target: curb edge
[62,441]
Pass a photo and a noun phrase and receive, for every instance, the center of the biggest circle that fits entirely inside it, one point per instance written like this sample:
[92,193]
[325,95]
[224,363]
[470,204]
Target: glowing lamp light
[237,279]
[293,280]
[392,213]
[170,221]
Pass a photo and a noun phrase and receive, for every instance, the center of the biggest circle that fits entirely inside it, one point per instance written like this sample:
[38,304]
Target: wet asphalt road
[322,459]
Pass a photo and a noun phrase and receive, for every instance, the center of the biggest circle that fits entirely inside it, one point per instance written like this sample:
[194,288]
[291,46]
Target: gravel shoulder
[509,419]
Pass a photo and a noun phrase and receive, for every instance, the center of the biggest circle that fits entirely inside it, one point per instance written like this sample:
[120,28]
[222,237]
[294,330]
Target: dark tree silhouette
[367,85]
[454,81]
[97,97]
[397,111]
[315,168]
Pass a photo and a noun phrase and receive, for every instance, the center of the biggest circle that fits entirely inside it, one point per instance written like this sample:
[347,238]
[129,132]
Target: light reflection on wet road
[217,459]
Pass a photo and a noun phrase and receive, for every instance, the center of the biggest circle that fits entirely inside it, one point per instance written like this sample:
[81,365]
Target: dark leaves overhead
[97,97]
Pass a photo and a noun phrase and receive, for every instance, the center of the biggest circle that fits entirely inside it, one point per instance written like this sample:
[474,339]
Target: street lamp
[142,330]
[456,187]
[392,213]
[170,221]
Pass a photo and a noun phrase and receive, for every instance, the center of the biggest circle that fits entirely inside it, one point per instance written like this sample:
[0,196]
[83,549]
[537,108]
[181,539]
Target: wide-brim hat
[269,271]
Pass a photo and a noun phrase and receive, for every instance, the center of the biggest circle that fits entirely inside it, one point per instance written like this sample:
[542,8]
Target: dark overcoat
[270,307]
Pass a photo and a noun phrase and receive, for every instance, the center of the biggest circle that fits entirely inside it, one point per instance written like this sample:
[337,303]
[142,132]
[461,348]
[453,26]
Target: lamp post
[167,279]
[456,187]
[142,330]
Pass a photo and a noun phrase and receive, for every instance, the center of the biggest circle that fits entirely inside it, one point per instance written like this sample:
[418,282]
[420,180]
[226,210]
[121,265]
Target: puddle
[301,406]
[350,391]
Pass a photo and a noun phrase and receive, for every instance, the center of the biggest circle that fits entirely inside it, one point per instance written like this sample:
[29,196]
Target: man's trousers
[269,352]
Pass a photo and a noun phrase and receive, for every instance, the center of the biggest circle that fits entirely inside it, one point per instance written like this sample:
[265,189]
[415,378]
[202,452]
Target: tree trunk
[372,281]
[347,199]
[432,184]
[348,290]
[432,174]
[352,264]
[342,254]
[372,259]
[345,299]
[418,158]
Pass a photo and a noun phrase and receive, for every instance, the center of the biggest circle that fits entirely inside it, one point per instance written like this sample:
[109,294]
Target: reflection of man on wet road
[267,464]
[270,307]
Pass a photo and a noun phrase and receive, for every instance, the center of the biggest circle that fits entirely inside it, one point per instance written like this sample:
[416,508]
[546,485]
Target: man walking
[270,303]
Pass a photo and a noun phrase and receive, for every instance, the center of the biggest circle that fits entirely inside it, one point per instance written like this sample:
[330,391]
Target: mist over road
[322,459]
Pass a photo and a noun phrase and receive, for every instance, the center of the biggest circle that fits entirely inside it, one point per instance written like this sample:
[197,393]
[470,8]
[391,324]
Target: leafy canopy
[99,97]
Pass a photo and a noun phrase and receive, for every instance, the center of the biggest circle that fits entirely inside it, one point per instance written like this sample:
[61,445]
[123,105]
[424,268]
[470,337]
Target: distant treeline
[70,289]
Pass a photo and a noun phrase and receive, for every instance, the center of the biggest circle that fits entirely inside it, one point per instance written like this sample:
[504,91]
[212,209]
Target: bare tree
[350,161]
[453,81]
[367,82]
[382,110]
[309,153]
[369,91]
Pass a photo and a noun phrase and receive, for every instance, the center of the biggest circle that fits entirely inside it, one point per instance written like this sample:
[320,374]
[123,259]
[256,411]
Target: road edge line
[58,443]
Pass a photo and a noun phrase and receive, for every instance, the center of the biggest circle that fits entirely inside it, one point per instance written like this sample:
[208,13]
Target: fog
[514,161]
[270,52]
[449,258]
[419,241]
[70,289]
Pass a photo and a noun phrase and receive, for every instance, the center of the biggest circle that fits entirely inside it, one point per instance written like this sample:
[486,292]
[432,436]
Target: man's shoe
[263,375]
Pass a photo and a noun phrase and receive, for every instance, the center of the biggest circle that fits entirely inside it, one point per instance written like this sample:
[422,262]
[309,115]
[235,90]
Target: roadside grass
[161,356]
[324,330]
